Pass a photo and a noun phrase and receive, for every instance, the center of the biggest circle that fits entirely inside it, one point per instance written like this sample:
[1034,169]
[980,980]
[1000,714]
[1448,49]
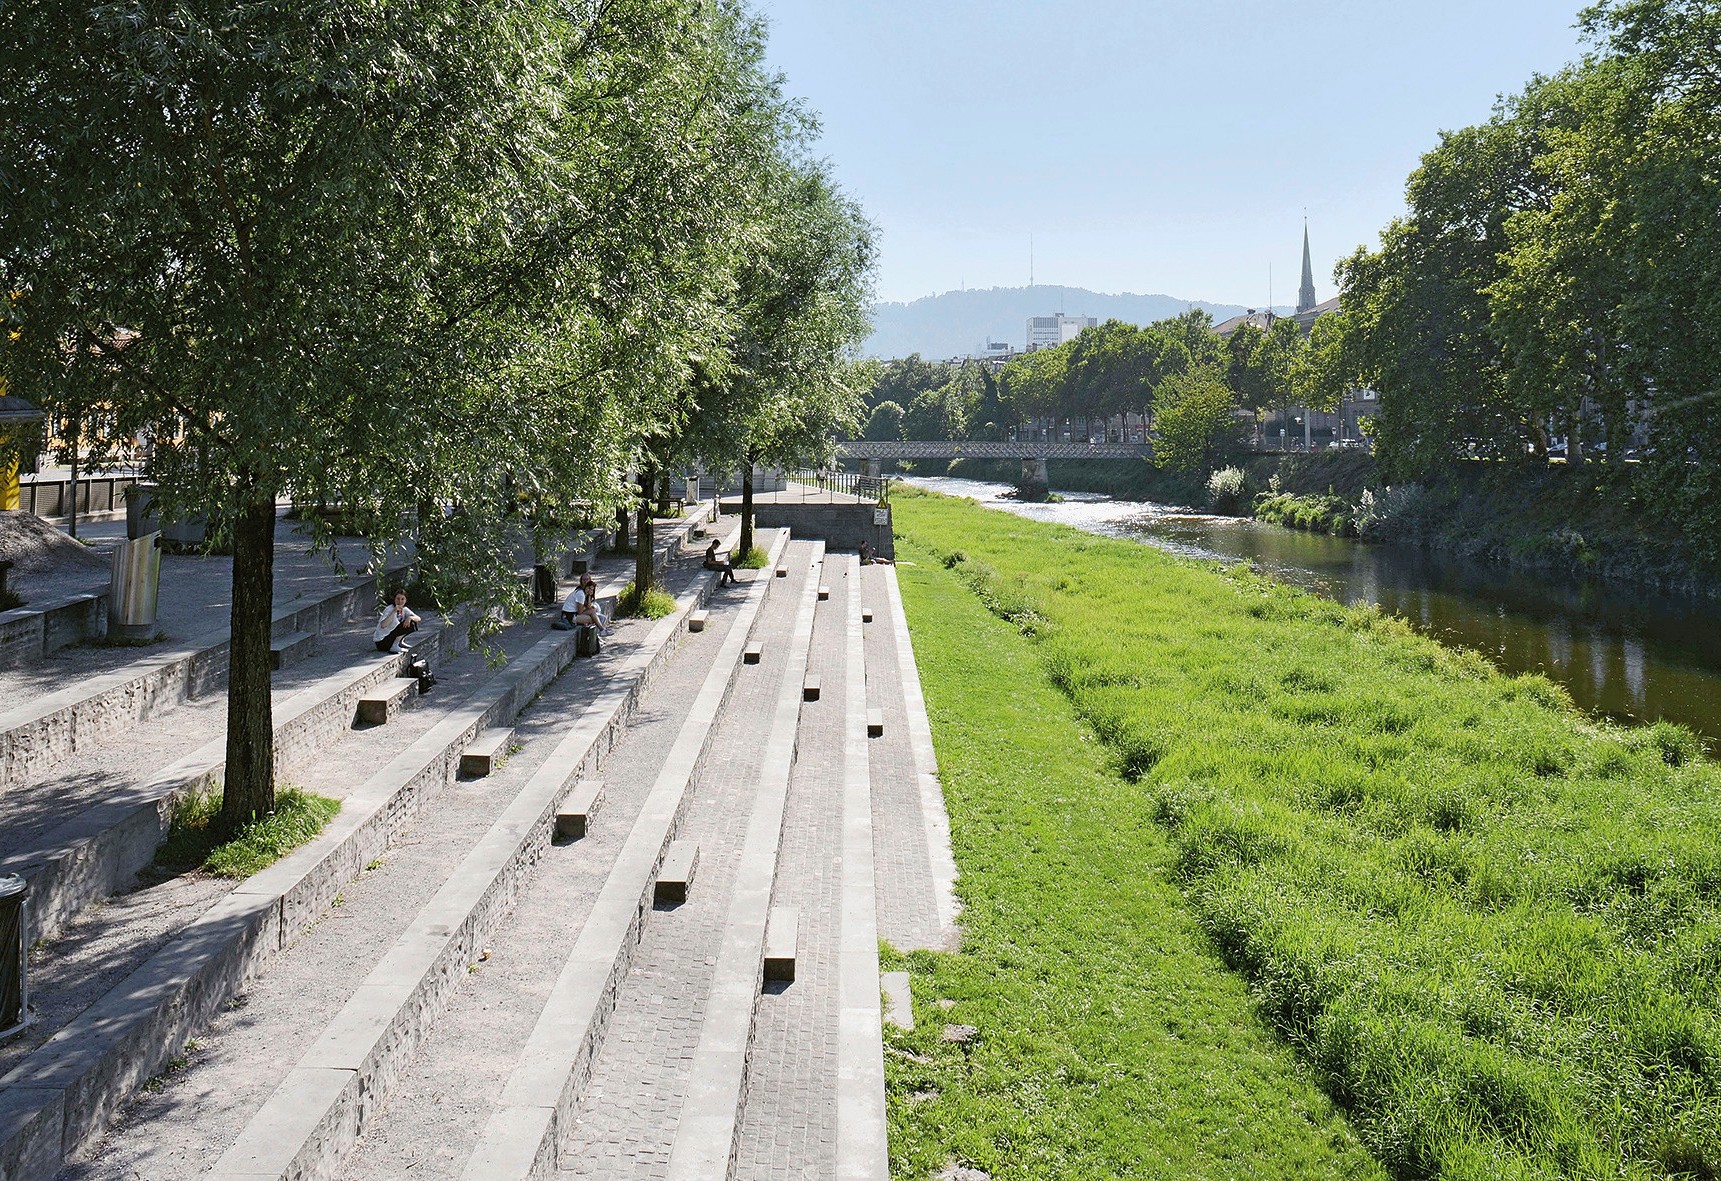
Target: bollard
[14,988]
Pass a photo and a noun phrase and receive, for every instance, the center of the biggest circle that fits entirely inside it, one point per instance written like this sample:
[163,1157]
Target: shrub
[654,604]
[1400,512]
[754,559]
[1226,490]
[298,817]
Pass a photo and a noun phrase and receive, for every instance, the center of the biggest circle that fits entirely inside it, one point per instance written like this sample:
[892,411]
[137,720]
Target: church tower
[1306,293]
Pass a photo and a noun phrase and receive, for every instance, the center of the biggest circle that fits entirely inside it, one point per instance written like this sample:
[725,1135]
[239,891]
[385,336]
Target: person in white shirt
[396,621]
[581,605]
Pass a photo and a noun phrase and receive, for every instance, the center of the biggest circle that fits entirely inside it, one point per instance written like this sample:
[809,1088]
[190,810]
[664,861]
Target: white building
[1046,332]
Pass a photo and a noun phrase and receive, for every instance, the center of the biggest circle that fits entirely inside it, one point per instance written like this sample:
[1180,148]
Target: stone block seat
[675,877]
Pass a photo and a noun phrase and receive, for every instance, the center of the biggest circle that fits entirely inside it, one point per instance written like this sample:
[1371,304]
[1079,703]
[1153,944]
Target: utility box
[131,594]
[14,947]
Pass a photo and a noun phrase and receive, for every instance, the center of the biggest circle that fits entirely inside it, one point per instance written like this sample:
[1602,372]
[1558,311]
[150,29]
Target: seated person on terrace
[869,557]
[580,608]
[396,621]
[713,562]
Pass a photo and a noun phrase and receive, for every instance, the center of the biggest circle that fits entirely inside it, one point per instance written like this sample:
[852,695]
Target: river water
[1625,654]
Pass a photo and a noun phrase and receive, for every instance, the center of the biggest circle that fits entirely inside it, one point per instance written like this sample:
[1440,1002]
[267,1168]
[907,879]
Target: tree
[446,254]
[884,425]
[1196,417]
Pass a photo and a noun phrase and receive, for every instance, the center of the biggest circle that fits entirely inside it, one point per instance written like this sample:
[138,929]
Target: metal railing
[871,488]
[48,497]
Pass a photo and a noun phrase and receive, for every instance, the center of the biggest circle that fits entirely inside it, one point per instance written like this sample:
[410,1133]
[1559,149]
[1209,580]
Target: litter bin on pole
[14,988]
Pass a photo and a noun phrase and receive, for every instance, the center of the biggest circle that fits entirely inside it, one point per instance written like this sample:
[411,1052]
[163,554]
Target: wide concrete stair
[637,935]
[123,990]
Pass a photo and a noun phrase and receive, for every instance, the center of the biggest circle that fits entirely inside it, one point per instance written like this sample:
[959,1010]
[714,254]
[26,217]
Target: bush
[298,817]
[1315,514]
[754,559]
[1226,491]
[1398,512]
[654,604]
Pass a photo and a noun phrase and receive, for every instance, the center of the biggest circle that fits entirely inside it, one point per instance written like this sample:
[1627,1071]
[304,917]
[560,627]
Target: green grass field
[1485,926]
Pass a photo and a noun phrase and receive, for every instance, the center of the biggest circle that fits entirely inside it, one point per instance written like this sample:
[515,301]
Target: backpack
[587,642]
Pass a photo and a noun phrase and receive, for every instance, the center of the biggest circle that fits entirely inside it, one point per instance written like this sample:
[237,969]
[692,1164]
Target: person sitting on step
[580,608]
[713,562]
[397,620]
[869,557]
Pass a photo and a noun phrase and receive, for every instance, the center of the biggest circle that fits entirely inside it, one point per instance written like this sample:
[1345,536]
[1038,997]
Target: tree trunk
[644,575]
[663,494]
[249,789]
[621,529]
[745,545]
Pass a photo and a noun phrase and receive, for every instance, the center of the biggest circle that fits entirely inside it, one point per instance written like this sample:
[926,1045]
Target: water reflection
[1623,653]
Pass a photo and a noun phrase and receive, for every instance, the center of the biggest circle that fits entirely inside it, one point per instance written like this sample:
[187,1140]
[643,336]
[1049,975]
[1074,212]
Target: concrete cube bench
[753,653]
[874,723]
[575,815]
[782,572]
[676,876]
[866,615]
[377,707]
[782,936]
[824,593]
[696,621]
[810,687]
[486,751]
[291,648]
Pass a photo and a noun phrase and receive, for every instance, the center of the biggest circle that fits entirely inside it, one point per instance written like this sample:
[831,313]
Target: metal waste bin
[14,988]
[131,594]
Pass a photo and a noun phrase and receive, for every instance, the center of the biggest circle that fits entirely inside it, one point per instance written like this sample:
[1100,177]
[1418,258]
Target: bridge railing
[873,488]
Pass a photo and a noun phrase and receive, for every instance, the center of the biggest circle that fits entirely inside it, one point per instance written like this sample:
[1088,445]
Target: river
[1621,653]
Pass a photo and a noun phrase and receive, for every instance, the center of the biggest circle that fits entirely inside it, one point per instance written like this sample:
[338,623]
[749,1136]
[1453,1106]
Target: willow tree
[394,257]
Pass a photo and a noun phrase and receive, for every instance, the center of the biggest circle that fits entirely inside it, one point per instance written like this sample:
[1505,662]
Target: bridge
[1033,454]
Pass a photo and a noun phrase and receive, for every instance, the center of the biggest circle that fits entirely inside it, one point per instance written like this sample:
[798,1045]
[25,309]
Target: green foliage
[654,604]
[754,559]
[192,842]
[1486,923]
[1228,490]
[1196,416]
[10,600]
[884,424]
[1110,1039]
[1315,514]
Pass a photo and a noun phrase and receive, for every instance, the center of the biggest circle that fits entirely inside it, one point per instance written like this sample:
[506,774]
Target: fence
[53,498]
[872,488]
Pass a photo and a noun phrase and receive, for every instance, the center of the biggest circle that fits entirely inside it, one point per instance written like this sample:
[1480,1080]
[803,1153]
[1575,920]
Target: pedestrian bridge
[989,449]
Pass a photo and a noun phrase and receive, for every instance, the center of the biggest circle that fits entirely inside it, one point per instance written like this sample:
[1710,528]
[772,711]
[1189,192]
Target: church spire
[1306,294]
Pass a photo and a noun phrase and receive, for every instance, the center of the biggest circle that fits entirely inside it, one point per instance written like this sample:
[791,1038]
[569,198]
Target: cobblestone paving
[626,1122]
[907,907]
[789,1118]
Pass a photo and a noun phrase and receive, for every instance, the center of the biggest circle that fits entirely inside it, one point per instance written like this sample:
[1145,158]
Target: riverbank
[1486,925]
[1587,521]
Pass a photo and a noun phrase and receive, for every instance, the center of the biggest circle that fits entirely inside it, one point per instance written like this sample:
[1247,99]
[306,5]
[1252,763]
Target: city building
[1045,332]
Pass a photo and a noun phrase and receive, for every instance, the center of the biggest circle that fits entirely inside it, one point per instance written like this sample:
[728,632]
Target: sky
[1155,146]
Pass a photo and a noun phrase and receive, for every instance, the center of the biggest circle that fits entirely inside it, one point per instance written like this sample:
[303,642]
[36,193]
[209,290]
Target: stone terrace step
[486,751]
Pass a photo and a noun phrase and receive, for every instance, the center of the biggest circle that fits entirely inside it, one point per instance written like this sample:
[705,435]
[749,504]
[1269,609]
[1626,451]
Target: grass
[1112,1041]
[298,817]
[754,559]
[1490,928]
[654,604]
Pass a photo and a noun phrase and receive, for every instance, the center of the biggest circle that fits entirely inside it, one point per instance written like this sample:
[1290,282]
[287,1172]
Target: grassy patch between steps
[654,604]
[1490,927]
[298,817]
[754,559]
[1110,1040]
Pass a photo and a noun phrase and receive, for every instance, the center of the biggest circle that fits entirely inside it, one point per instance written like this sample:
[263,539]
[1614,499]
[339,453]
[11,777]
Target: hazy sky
[1155,146]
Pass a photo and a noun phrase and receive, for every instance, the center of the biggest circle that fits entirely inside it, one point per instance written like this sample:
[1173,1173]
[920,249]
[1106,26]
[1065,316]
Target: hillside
[960,322]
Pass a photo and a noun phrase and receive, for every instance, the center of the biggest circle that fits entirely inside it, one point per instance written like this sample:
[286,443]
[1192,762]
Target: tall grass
[1491,927]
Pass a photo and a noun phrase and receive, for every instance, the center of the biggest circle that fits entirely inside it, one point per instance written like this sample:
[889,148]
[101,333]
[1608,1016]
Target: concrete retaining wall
[27,634]
[840,526]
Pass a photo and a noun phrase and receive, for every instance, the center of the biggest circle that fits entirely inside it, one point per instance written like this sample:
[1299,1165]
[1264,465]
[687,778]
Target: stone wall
[841,526]
[27,634]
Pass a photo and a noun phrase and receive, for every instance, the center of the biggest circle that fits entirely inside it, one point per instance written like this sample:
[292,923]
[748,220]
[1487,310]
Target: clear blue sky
[1155,146]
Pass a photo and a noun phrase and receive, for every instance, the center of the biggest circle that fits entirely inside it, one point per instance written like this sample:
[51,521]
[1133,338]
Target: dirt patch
[45,562]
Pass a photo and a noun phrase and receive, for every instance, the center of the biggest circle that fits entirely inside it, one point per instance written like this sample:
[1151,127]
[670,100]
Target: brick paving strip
[63,1094]
[705,1133]
[522,1136]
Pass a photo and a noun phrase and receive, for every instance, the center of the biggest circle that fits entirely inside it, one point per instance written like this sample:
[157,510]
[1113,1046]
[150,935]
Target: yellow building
[18,420]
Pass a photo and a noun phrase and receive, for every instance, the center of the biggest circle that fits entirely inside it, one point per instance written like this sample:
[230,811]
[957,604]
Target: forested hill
[961,322]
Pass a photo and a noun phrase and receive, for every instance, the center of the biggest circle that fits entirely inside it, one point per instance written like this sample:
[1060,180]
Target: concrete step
[675,876]
[574,818]
[380,705]
[486,752]
[291,648]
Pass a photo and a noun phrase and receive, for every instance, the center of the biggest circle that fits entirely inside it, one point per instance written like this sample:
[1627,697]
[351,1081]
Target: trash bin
[14,988]
[140,515]
[132,591]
